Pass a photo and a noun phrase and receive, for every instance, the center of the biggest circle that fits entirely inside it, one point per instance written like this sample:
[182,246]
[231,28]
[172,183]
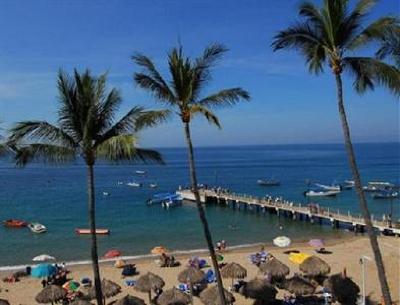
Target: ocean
[56,197]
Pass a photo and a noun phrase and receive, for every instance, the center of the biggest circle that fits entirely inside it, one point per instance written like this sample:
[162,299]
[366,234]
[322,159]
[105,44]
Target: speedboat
[106,194]
[165,199]
[385,195]
[88,231]
[153,185]
[36,227]
[171,202]
[14,223]
[120,183]
[375,186]
[140,172]
[134,184]
[268,182]
[348,184]
[332,187]
[320,193]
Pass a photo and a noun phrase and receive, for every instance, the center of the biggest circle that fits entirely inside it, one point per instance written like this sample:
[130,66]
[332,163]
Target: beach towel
[298,258]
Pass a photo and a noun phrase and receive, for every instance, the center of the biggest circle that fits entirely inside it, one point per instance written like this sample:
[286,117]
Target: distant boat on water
[36,227]
[348,184]
[140,172]
[106,194]
[134,184]
[375,186]
[385,195]
[165,199]
[14,223]
[268,182]
[153,185]
[88,231]
[332,187]
[321,193]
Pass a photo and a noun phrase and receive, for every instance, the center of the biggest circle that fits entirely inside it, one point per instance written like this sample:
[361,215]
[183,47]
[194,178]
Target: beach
[346,253]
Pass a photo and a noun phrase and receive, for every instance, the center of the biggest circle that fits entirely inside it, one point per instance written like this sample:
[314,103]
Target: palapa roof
[50,294]
[148,282]
[130,300]
[342,288]
[173,297]
[314,266]
[260,289]
[4,302]
[108,288]
[210,296]
[275,268]
[299,286]
[191,275]
[233,270]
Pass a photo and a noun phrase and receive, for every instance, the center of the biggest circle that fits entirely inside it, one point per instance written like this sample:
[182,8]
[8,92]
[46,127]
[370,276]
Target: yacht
[36,227]
[134,184]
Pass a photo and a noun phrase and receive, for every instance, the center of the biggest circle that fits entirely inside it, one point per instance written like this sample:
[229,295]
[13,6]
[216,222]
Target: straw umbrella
[108,288]
[173,297]
[299,286]
[210,296]
[260,289]
[130,300]
[191,276]
[342,288]
[4,302]
[233,271]
[148,282]
[50,294]
[275,268]
[314,266]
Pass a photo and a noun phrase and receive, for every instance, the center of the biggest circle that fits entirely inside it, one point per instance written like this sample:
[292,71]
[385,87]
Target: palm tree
[390,46]
[330,35]
[183,94]
[87,128]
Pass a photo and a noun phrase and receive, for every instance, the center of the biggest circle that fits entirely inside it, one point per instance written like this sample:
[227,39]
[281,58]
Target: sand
[345,253]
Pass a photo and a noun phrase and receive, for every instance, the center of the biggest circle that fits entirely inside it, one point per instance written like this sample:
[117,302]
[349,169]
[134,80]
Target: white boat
[134,184]
[153,185]
[120,183]
[139,172]
[171,203]
[320,193]
[268,182]
[348,184]
[375,186]
[333,187]
[106,194]
[37,227]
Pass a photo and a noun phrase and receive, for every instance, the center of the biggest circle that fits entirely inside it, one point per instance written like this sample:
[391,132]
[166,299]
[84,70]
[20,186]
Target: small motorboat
[88,231]
[153,185]
[320,193]
[348,184]
[268,182]
[106,194]
[332,187]
[134,184]
[171,202]
[140,172]
[375,186]
[385,195]
[120,183]
[36,227]
[14,223]
[160,198]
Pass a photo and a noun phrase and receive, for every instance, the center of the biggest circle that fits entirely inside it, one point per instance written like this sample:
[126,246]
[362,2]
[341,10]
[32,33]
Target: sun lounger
[210,276]
[130,283]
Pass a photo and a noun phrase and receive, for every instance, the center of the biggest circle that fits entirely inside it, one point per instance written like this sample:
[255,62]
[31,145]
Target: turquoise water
[56,197]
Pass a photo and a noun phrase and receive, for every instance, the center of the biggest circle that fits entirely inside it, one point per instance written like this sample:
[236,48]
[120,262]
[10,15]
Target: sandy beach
[345,253]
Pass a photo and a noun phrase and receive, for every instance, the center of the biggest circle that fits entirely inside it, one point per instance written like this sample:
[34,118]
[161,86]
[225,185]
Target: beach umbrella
[314,266]
[173,297]
[43,270]
[260,289]
[299,286]
[148,282]
[342,288]
[191,275]
[4,302]
[210,296]
[112,253]
[282,241]
[275,268]
[130,300]
[316,243]
[119,263]
[233,271]
[159,250]
[108,288]
[43,258]
[50,294]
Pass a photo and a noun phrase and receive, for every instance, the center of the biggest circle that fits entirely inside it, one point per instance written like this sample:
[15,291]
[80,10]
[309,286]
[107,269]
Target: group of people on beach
[59,278]
[221,245]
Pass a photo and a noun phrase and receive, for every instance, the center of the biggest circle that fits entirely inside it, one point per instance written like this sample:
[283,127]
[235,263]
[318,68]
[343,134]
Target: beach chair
[184,288]
[210,276]
[130,283]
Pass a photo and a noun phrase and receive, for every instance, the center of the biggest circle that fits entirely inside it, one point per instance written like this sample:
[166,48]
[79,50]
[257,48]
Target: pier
[296,211]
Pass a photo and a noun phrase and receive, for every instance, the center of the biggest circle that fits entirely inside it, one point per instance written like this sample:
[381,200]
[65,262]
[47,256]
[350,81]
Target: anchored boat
[88,231]
[134,184]
[14,223]
[140,172]
[332,187]
[166,199]
[375,186]
[320,193]
[36,227]
[268,182]
[385,195]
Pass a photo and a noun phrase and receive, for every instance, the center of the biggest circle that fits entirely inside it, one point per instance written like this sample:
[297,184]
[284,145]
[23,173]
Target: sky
[288,104]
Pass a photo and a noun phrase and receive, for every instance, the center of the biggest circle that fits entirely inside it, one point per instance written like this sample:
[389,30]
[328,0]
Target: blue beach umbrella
[43,270]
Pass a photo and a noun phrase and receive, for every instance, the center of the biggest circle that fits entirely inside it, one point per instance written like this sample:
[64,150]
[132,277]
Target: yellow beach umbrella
[298,258]
[159,250]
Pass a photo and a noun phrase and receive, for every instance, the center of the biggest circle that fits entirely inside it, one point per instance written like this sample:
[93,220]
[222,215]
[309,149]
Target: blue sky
[288,104]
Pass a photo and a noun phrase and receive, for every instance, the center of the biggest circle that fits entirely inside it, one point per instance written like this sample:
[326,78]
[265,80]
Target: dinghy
[88,231]
[36,227]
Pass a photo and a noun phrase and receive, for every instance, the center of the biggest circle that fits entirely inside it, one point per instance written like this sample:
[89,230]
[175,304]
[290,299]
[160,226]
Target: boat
[320,193]
[106,194]
[88,231]
[120,183]
[140,172]
[385,195]
[348,184]
[171,202]
[332,187]
[165,199]
[268,182]
[134,184]
[36,227]
[375,186]
[14,223]
[153,185]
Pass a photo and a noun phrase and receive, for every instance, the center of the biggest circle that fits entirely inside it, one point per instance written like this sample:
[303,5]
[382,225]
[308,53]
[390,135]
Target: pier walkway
[310,212]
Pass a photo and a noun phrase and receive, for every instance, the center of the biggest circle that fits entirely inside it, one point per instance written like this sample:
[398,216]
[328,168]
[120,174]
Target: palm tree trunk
[92,225]
[202,214]
[361,195]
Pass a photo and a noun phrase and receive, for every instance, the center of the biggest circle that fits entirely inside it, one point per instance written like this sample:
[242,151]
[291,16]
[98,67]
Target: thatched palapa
[299,286]
[4,302]
[50,294]
[191,275]
[173,297]
[342,288]
[233,271]
[260,289]
[130,300]
[210,296]
[148,282]
[108,288]
[314,266]
[275,268]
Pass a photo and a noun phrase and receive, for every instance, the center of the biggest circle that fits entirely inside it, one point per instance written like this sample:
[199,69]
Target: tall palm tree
[86,128]
[330,35]
[183,93]
[390,46]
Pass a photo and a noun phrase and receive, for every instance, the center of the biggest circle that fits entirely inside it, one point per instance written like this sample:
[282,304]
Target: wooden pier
[296,211]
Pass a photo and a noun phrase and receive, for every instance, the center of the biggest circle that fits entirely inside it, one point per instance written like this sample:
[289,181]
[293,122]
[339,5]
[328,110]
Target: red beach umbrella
[112,253]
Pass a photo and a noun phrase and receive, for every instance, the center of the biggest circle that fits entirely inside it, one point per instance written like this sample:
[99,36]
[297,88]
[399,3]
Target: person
[218,245]
[44,283]
[223,245]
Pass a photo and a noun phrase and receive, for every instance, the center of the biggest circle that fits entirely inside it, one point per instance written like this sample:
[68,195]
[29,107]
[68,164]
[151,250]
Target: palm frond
[40,131]
[197,109]
[151,79]
[390,46]
[226,97]
[370,72]
[107,109]
[123,148]
[45,153]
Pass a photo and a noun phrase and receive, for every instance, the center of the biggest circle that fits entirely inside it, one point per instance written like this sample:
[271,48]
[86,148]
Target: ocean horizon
[56,197]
